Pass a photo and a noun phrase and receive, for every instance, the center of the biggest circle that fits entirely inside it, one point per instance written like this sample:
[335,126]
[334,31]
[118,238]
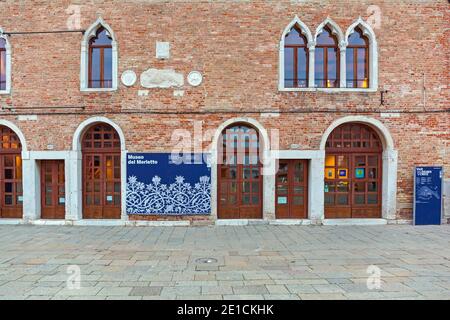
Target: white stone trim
[373,49]
[268,180]
[389,158]
[76,164]
[354,222]
[8,63]
[84,64]
[315,179]
[307,33]
[32,187]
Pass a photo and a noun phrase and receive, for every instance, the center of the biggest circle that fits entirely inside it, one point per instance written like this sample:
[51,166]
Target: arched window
[327,62]
[100,60]
[5,64]
[295,59]
[357,61]
[11,192]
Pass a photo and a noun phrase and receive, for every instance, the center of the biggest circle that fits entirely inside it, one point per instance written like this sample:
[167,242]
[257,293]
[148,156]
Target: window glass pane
[332,68]
[102,38]
[342,199]
[2,70]
[298,200]
[372,186]
[359,198]
[255,199]
[361,71]
[325,38]
[342,187]
[289,67]
[294,37]
[8,199]
[95,69]
[318,67]
[107,67]
[372,198]
[8,187]
[302,63]
[349,67]
[356,38]
[329,199]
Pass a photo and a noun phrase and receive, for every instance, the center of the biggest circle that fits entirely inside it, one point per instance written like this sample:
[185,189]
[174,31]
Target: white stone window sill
[327,90]
[98,89]
[5,92]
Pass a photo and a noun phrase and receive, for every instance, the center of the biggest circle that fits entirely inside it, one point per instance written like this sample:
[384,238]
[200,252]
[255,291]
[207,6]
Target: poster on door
[168,184]
[427,195]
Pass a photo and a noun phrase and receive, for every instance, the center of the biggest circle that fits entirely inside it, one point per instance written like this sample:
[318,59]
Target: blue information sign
[427,195]
[166,184]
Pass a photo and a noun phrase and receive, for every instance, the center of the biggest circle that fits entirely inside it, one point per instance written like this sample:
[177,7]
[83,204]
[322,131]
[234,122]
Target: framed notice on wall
[428,195]
[168,184]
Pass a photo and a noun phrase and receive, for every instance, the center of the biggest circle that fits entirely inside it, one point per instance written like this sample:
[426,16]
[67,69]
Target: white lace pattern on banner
[178,198]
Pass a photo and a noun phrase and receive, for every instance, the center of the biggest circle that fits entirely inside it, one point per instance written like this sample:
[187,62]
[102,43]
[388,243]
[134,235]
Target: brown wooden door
[291,192]
[11,185]
[11,195]
[353,173]
[53,193]
[101,173]
[239,174]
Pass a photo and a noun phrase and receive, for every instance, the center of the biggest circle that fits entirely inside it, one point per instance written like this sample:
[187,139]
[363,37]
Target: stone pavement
[247,262]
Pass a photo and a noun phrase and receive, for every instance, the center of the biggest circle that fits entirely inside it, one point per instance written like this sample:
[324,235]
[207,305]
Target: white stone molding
[389,159]
[373,49]
[307,33]
[32,189]
[315,180]
[76,167]
[84,65]
[268,180]
[8,63]
[19,133]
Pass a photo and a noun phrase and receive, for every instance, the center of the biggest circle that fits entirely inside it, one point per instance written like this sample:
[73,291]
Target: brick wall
[235,46]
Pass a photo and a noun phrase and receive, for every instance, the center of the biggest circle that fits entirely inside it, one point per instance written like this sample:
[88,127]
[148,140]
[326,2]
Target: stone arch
[17,131]
[378,126]
[335,30]
[76,142]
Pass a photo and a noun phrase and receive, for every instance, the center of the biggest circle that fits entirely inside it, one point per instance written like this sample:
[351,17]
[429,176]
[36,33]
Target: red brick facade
[235,46]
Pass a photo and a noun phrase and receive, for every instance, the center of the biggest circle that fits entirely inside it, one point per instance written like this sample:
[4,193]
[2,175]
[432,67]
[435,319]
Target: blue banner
[427,195]
[162,184]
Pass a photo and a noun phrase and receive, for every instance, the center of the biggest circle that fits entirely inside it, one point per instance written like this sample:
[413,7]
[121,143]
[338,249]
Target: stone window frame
[342,43]
[8,63]
[84,65]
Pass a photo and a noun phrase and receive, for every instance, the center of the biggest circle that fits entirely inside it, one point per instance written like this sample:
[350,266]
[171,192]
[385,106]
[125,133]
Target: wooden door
[53,193]
[11,194]
[11,185]
[353,174]
[239,174]
[101,173]
[291,192]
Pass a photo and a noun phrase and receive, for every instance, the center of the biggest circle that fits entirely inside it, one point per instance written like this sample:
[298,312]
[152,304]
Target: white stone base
[353,222]
[232,222]
[6,221]
[291,222]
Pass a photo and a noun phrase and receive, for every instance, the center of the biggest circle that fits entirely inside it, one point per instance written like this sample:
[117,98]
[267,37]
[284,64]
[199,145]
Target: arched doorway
[100,147]
[240,183]
[10,174]
[353,177]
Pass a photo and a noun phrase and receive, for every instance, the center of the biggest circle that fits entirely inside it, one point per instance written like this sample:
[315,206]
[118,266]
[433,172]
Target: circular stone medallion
[194,78]
[128,78]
